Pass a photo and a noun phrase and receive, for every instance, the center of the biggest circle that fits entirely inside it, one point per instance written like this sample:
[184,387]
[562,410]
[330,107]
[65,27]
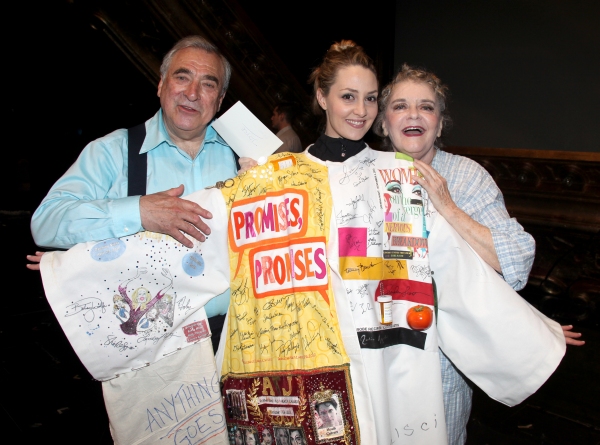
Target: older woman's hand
[477,235]
[570,337]
[436,187]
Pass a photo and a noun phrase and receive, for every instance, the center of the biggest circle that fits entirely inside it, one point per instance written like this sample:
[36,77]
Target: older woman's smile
[413,131]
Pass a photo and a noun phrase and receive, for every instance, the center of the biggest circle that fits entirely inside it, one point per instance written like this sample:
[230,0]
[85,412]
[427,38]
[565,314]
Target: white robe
[496,338]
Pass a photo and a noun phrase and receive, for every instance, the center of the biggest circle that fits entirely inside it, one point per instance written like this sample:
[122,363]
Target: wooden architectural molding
[555,195]
[564,282]
[547,188]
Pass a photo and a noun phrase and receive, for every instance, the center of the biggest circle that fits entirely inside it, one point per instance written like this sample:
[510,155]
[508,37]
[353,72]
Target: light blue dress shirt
[89,202]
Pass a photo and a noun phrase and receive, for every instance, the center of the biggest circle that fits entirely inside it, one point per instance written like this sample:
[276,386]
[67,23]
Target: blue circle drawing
[108,250]
[193,264]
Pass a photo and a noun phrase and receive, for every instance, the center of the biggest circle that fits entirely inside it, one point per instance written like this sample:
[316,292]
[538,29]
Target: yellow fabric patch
[372,268]
[282,312]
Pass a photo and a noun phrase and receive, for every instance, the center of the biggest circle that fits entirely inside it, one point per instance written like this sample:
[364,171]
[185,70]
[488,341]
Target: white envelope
[245,134]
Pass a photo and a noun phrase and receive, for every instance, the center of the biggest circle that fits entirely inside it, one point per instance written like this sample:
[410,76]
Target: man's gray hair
[199,43]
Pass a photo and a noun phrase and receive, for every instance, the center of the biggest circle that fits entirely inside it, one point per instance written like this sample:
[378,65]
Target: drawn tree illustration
[139,304]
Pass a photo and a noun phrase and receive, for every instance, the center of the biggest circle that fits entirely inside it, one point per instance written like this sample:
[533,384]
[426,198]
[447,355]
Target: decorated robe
[305,353]
[285,368]
[482,321]
[133,310]
[289,338]
[381,248]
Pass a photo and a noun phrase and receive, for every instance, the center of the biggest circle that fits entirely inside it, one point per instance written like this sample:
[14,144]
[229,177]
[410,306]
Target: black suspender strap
[137,163]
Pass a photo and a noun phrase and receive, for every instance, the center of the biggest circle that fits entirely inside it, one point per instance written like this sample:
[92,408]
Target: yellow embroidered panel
[282,313]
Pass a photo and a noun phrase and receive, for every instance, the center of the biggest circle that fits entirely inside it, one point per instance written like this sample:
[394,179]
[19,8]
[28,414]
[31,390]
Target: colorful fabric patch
[316,406]
[353,241]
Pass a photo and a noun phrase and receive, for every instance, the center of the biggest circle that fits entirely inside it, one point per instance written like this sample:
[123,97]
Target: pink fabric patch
[196,331]
[353,241]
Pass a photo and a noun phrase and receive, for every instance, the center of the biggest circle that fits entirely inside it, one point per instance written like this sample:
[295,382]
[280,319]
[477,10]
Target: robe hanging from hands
[369,381]
[496,338]
[282,354]
[283,357]
[133,310]
[381,249]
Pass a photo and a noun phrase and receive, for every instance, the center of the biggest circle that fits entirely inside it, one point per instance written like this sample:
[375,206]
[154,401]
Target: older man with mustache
[132,180]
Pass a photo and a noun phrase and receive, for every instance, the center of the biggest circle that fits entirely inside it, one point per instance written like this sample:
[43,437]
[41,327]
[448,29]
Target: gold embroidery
[253,406]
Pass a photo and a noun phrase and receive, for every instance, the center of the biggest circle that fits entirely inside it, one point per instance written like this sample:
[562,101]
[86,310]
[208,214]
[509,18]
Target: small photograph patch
[196,331]
[328,415]
[235,403]
[294,407]
[243,435]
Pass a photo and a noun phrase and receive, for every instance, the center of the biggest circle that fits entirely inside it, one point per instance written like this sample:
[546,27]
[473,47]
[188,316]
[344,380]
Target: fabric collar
[331,149]
[284,130]
[156,134]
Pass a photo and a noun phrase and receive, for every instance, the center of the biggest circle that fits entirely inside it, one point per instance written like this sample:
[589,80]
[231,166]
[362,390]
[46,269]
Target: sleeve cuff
[218,305]
[515,256]
[126,216]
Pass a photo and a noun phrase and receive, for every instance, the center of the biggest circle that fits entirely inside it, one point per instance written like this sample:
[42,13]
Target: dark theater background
[525,95]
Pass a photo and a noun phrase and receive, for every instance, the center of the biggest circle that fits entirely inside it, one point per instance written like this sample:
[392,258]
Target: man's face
[276,119]
[327,414]
[190,93]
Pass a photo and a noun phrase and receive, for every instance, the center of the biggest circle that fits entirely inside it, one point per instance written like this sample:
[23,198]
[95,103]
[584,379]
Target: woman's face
[267,439]
[142,297]
[351,105]
[250,439]
[413,120]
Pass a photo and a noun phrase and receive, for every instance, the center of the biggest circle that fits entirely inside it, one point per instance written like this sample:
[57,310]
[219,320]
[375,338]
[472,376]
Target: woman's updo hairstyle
[418,75]
[339,55]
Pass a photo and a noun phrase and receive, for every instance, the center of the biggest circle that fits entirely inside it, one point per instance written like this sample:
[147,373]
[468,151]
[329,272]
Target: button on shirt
[89,202]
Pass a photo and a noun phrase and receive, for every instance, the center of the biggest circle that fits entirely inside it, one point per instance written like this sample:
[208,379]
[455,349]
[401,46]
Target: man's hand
[246,164]
[165,212]
[36,261]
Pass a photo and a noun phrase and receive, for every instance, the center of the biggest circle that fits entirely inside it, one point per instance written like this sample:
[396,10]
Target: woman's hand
[436,186]
[36,260]
[570,337]
[246,164]
[477,235]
